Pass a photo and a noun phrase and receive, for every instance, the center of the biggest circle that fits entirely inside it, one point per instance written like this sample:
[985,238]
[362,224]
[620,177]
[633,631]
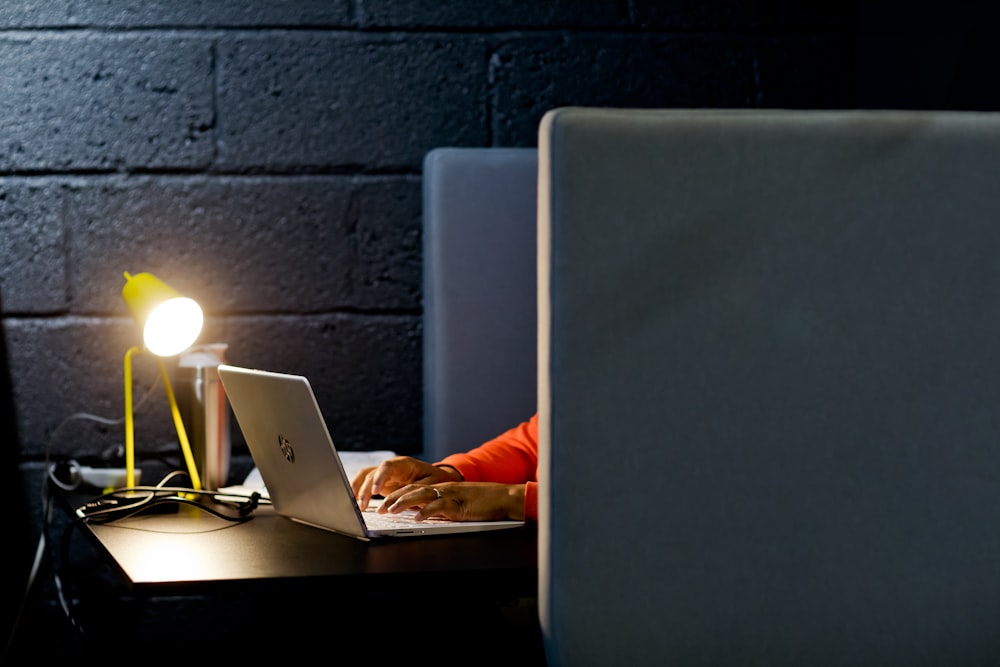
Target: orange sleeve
[510,458]
[531,501]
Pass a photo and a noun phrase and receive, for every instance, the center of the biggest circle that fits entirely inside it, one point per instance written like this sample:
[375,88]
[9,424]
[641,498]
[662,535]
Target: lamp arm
[181,432]
[129,421]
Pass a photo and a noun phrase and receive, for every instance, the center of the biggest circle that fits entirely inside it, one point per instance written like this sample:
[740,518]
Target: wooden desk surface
[191,551]
[234,591]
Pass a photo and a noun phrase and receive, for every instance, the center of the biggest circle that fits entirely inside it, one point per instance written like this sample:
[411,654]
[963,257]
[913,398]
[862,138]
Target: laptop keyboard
[406,519]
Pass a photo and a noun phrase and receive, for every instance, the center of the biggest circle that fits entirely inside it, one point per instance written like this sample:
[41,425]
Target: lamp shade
[170,322]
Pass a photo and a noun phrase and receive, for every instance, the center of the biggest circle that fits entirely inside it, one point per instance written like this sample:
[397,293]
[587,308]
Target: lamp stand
[130,424]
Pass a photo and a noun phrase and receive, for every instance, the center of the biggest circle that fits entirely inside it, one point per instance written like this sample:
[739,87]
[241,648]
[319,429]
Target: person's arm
[496,480]
[510,458]
[459,501]
[531,501]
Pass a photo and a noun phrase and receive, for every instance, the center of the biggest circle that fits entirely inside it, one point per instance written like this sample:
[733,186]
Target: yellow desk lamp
[170,324]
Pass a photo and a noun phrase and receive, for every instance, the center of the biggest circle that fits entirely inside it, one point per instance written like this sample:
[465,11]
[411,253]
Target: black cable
[59,569]
[122,503]
[128,501]
[107,515]
[49,478]
[153,496]
[47,502]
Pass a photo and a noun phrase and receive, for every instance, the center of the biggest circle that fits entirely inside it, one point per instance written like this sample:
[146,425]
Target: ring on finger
[437,492]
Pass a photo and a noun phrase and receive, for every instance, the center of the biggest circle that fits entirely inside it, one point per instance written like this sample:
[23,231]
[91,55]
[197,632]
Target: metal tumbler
[204,409]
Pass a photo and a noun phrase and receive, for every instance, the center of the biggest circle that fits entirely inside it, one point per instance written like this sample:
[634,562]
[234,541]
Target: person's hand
[458,501]
[395,473]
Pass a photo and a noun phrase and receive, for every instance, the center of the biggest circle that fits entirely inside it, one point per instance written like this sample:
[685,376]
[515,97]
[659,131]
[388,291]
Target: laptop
[292,448]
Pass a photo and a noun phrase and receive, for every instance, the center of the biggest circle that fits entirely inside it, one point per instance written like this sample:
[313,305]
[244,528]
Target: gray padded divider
[774,336]
[480,313]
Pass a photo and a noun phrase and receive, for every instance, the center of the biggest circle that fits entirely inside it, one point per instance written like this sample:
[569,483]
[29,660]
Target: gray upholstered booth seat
[773,337]
[479,294]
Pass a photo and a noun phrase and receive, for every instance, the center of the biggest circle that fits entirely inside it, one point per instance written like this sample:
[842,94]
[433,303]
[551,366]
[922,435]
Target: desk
[190,578]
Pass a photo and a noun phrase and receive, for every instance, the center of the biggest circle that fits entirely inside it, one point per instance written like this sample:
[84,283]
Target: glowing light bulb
[173,326]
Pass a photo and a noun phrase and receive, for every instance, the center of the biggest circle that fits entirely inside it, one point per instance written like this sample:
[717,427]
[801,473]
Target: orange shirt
[510,458]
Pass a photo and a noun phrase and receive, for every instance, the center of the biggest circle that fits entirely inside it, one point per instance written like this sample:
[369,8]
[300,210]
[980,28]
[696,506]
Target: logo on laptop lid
[286,448]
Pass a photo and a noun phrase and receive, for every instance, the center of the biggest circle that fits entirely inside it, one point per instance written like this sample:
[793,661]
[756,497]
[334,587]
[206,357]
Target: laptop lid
[298,462]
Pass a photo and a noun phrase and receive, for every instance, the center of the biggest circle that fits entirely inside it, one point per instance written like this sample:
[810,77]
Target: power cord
[47,504]
[128,501]
[125,502]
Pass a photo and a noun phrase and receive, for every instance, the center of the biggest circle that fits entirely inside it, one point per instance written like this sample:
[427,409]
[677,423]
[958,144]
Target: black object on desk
[193,580]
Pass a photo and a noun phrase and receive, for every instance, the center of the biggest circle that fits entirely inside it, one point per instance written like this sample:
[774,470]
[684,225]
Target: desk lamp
[170,324]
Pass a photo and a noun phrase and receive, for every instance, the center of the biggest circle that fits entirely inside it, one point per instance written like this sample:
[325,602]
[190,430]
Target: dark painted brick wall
[265,158]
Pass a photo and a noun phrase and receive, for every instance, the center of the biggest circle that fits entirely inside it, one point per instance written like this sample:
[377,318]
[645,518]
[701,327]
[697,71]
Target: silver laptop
[292,448]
